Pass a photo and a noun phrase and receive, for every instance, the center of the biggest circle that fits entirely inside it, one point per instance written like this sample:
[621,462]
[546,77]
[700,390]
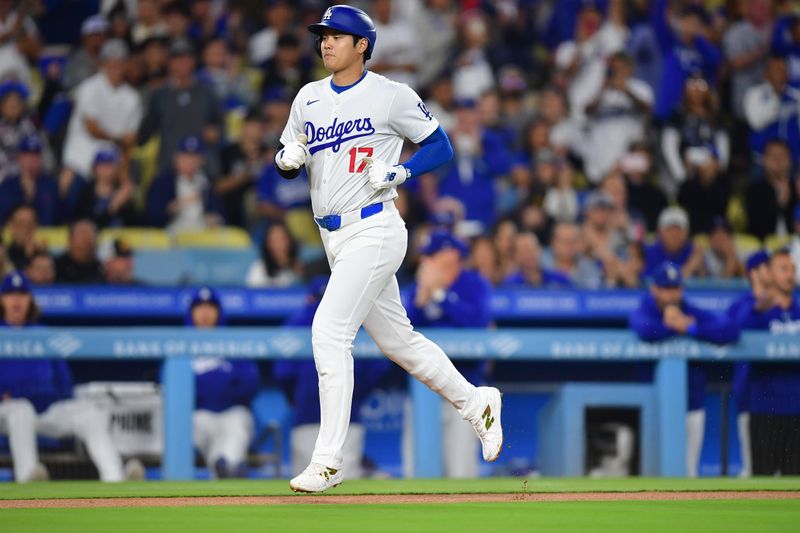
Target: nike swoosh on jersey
[311,102]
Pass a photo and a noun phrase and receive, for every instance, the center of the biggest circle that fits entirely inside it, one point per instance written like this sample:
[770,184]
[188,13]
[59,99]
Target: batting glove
[383,176]
[294,155]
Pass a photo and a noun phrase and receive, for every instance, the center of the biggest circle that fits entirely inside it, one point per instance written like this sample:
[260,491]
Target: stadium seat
[56,237]
[222,237]
[775,242]
[160,267]
[218,267]
[137,238]
[746,243]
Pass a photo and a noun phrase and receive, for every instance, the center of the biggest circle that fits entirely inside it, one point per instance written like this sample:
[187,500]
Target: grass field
[702,515]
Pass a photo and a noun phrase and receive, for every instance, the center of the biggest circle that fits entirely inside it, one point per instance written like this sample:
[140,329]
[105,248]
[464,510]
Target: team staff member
[37,399]
[664,314]
[348,131]
[222,422]
[446,295]
[299,381]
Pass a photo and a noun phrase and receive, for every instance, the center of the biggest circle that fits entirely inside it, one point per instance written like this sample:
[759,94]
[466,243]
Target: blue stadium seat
[160,267]
[218,266]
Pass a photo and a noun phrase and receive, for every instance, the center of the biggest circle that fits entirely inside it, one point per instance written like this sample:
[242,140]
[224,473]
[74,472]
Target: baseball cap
[105,155]
[205,295]
[114,49]
[181,47]
[756,259]
[720,222]
[13,86]
[15,282]
[667,275]
[94,24]
[191,145]
[442,240]
[598,199]
[673,216]
[30,144]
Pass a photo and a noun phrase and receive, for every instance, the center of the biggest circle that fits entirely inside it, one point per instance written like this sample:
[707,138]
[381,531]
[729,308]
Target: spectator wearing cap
[299,381]
[278,265]
[616,117]
[664,314]
[674,245]
[15,125]
[769,202]
[772,109]
[480,160]
[84,61]
[566,257]
[148,22]
[686,51]
[529,272]
[721,259]
[445,294]
[182,108]
[107,113]
[604,242]
[288,70]
[183,199]
[221,72]
[645,200]
[581,62]
[222,422]
[37,400]
[693,135]
[22,245]
[79,264]
[107,200]
[31,186]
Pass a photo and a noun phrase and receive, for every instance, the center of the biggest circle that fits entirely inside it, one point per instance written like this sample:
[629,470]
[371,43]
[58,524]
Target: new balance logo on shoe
[487,417]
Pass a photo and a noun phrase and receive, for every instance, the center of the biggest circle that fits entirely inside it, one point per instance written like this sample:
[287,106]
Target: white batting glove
[294,155]
[383,176]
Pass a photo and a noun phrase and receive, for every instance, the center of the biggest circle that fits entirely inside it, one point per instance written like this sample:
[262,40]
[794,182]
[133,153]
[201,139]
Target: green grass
[657,516]
[93,489]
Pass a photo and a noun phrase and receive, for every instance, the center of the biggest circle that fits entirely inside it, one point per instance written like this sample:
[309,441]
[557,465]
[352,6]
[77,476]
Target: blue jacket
[162,192]
[466,305]
[300,382]
[47,204]
[42,381]
[655,255]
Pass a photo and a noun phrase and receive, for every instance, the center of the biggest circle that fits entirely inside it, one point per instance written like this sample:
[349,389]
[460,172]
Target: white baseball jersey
[370,119]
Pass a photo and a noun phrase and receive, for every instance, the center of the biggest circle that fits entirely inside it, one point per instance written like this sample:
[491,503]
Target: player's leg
[18,421]
[390,328]
[695,426]
[232,440]
[204,429]
[745,450]
[91,425]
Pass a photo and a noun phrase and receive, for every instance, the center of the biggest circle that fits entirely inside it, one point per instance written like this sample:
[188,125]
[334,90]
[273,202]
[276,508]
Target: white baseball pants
[364,257]
[64,418]
[224,435]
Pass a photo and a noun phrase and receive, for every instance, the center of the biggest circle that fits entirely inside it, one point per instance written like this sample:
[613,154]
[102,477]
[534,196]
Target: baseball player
[347,130]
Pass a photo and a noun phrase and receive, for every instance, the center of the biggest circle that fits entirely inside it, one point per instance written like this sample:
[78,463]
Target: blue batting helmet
[346,19]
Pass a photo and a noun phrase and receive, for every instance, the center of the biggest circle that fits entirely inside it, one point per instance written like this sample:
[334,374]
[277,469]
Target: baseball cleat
[316,478]
[488,426]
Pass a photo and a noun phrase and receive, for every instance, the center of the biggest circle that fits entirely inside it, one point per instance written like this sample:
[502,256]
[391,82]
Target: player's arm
[292,153]
[434,151]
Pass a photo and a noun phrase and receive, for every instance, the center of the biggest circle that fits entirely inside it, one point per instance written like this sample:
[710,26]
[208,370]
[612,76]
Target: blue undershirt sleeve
[434,151]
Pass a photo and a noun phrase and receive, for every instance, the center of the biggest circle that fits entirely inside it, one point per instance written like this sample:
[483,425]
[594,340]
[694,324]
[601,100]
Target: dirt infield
[332,499]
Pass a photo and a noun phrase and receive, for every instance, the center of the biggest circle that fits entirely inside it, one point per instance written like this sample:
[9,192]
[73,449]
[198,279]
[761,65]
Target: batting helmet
[347,20]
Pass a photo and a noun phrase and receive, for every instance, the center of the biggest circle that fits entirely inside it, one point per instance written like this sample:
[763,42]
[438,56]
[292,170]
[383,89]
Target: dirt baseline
[333,499]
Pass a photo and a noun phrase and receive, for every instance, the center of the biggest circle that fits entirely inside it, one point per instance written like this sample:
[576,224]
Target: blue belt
[334,222]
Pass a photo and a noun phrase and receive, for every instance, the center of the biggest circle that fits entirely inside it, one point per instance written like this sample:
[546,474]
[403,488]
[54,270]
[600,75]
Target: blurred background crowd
[593,139]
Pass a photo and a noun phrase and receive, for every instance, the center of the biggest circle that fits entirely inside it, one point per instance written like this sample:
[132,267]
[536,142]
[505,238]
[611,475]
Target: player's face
[667,295]
[205,315]
[783,273]
[15,307]
[338,51]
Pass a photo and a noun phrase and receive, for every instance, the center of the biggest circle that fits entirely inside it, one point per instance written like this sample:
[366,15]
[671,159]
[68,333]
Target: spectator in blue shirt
[31,186]
[445,294]
[299,381]
[674,245]
[664,314]
[686,51]
[222,422]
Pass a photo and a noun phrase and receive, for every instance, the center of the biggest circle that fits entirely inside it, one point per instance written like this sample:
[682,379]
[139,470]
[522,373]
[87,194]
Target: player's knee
[90,420]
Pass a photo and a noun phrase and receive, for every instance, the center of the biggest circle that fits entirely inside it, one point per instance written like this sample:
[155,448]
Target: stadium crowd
[593,139]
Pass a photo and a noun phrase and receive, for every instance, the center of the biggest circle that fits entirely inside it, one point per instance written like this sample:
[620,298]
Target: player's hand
[383,176]
[294,155]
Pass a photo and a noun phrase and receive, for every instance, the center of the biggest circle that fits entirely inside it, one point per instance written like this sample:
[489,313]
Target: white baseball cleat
[488,426]
[316,478]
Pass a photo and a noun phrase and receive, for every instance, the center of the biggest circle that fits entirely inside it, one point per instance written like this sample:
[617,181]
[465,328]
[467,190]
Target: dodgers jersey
[370,119]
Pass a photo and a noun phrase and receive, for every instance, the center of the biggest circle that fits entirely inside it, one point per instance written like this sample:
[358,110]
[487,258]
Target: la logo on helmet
[328,13]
